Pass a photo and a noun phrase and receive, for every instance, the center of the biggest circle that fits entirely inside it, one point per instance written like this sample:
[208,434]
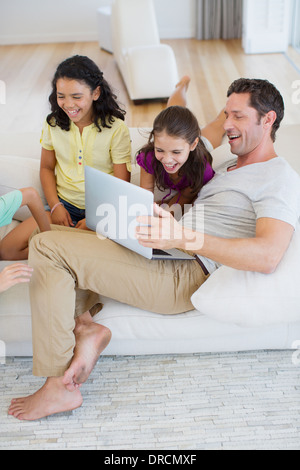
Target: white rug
[202,401]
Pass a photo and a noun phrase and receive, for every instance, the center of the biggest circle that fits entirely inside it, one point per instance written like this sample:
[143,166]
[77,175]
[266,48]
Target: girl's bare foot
[178,97]
[184,82]
[52,398]
[214,131]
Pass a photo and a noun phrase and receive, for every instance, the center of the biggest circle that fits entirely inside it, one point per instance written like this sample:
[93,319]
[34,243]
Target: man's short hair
[264,97]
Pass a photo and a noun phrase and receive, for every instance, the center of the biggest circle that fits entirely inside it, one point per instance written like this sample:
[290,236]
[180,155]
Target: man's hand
[14,274]
[162,232]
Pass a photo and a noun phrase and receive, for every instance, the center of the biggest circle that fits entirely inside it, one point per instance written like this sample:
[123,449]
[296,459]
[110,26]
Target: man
[251,209]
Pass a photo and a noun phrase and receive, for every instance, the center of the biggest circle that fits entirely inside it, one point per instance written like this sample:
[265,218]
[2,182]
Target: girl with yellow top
[86,127]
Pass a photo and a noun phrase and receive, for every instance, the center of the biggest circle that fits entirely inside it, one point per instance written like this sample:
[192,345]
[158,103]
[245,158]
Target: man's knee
[38,243]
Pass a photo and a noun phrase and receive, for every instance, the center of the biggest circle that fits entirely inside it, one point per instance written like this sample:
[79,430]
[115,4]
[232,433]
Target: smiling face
[76,99]
[244,128]
[172,152]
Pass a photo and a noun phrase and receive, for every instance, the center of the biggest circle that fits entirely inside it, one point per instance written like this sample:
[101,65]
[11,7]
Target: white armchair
[148,67]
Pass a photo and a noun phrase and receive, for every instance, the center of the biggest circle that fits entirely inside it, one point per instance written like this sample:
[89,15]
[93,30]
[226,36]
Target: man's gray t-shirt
[233,200]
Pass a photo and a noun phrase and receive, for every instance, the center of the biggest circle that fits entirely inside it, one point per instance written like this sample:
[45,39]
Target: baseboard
[176,33]
[48,38]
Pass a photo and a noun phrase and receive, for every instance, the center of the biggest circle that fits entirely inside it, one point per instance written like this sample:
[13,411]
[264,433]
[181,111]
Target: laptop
[111,208]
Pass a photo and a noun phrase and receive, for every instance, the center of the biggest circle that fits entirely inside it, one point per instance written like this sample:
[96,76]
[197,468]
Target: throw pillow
[253,299]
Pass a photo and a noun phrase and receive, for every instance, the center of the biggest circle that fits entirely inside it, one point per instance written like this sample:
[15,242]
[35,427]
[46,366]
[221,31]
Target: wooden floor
[27,71]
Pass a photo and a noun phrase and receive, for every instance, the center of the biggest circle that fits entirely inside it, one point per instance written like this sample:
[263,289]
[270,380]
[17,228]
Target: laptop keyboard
[160,253]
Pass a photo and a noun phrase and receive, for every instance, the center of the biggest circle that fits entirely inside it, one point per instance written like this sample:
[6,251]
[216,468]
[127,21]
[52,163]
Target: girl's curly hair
[83,69]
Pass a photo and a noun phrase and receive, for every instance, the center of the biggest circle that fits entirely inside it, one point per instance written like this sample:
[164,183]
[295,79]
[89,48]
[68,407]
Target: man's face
[243,125]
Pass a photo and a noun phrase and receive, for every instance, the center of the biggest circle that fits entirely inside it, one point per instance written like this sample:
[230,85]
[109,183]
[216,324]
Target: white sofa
[148,67]
[134,331]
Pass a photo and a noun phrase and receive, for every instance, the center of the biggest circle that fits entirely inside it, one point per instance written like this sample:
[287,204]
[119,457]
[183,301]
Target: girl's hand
[61,217]
[14,274]
[162,232]
[82,225]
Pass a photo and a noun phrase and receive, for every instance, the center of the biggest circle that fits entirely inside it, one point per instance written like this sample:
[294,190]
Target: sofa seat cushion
[136,331]
[15,311]
[6,229]
[139,332]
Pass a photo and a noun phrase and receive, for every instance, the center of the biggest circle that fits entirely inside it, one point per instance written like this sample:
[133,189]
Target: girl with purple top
[175,157]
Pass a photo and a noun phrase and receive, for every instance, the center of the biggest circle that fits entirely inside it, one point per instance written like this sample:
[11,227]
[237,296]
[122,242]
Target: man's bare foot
[91,340]
[50,399]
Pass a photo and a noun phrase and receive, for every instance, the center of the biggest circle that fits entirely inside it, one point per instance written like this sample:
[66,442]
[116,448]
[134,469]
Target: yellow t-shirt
[100,150]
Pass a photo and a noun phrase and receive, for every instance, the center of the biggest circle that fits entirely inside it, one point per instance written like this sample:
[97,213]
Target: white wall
[41,21]
[176,18]
[36,21]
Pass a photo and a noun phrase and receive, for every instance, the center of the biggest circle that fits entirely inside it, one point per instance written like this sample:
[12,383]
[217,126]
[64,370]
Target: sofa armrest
[141,81]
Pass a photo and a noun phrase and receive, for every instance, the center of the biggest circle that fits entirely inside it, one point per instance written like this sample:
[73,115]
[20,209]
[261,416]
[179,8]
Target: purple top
[182,184]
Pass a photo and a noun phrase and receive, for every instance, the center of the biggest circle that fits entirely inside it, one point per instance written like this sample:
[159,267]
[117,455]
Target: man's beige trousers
[71,267]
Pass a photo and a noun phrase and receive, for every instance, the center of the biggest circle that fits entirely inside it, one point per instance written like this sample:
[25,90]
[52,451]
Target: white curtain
[219,19]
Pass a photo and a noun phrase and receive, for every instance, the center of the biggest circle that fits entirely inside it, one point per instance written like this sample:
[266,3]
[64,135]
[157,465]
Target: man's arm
[260,254]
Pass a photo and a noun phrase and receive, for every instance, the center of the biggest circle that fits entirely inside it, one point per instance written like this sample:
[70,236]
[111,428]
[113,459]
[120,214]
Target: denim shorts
[75,213]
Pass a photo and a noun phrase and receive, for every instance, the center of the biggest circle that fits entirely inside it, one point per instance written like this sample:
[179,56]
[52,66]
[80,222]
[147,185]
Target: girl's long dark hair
[83,69]
[179,122]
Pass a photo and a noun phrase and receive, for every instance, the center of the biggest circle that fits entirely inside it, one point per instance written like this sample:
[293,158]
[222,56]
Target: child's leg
[15,245]
[214,131]
[178,97]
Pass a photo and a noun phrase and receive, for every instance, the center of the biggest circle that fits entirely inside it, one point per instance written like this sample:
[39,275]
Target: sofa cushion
[20,172]
[23,144]
[7,228]
[136,331]
[254,299]
[15,312]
